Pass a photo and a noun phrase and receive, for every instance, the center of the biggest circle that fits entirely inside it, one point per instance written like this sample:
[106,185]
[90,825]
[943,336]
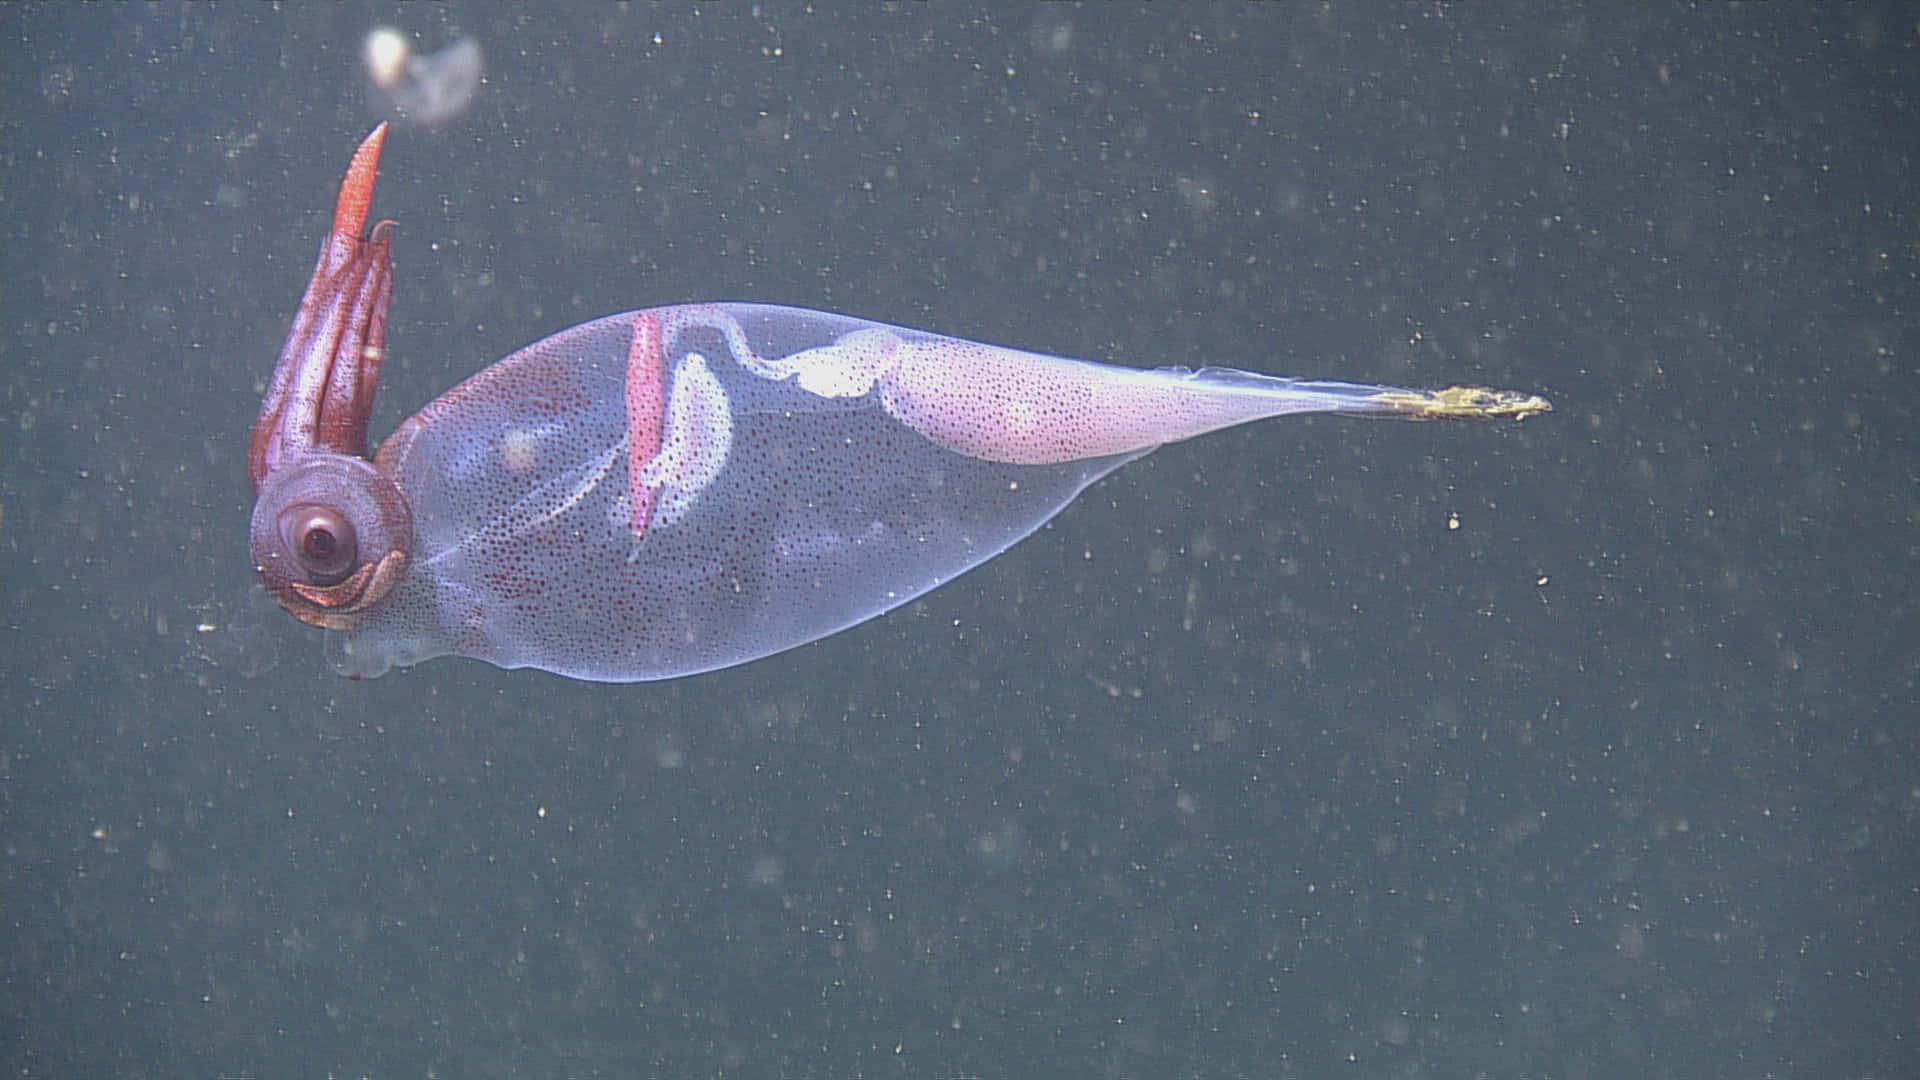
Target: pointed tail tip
[1465,403]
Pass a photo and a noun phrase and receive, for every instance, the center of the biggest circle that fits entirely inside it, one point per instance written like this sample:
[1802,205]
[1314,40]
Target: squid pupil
[323,541]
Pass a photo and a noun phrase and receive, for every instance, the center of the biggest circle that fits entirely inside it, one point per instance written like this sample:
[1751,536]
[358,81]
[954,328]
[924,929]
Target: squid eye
[322,539]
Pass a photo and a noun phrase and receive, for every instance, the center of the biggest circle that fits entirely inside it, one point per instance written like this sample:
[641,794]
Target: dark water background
[1579,748]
